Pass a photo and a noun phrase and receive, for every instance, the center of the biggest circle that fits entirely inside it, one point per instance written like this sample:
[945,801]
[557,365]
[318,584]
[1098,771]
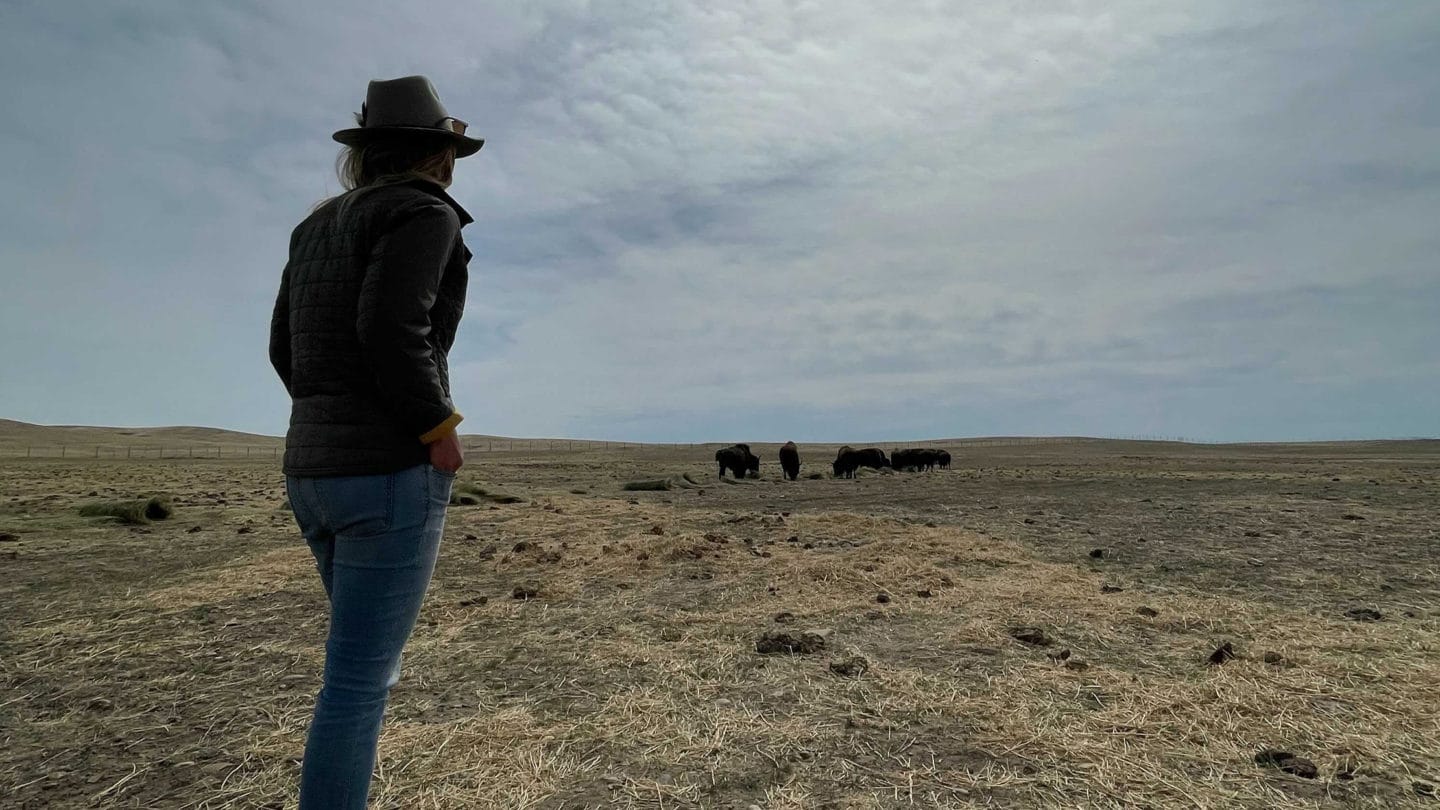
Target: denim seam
[318,501]
[390,501]
[429,509]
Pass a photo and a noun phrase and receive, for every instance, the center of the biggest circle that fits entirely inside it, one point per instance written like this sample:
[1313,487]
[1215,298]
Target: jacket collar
[436,189]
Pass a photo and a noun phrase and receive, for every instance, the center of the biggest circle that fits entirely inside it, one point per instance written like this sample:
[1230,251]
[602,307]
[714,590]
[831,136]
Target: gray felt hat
[408,104]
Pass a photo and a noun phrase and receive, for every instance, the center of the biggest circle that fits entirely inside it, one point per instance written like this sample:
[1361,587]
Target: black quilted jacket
[368,307]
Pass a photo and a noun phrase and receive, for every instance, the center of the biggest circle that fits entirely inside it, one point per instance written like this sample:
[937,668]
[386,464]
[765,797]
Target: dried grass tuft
[137,511]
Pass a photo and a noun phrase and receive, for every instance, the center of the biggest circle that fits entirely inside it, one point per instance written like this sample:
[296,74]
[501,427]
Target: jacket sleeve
[401,282]
[280,332]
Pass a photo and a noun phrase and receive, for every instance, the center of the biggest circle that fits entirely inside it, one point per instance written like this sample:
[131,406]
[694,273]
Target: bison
[850,460]
[738,459]
[920,458]
[903,460]
[790,460]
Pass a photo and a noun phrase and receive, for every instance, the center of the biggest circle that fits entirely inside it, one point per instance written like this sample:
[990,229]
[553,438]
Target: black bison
[920,458]
[738,459]
[902,460]
[851,460]
[790,460]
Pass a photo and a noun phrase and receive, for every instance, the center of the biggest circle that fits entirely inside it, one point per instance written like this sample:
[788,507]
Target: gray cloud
[789,219]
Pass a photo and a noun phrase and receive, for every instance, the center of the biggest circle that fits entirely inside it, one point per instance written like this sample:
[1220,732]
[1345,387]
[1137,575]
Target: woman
[368,307]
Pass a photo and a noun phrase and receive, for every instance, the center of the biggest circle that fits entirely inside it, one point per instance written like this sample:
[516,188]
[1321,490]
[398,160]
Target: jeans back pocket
[359,505]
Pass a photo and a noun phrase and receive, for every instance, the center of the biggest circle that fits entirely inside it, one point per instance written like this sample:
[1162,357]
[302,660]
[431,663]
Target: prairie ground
[174,664]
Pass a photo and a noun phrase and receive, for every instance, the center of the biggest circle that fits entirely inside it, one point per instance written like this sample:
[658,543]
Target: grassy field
[173,664]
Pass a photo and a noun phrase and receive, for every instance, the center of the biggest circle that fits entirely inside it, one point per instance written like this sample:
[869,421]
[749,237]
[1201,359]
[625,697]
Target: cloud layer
[787,220]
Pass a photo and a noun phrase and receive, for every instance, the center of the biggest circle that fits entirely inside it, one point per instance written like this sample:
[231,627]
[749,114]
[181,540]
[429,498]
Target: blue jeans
[375,539]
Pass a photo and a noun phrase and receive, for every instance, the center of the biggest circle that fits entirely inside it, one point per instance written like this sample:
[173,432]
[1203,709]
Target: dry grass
[632,680]
[471,493]
[136,510]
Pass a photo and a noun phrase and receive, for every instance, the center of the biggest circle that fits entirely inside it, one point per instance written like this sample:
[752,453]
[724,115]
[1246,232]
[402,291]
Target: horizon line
[1151,438]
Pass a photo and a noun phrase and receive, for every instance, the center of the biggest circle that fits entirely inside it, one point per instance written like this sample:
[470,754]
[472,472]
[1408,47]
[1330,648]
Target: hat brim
[464,145]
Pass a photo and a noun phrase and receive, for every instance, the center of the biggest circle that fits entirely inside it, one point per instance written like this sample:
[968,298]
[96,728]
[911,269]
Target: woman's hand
[446,454]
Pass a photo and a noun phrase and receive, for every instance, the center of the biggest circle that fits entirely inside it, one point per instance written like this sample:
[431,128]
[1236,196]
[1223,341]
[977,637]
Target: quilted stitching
[339,424]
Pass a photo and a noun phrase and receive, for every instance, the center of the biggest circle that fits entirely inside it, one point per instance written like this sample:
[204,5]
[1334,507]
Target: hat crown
[406,107]
[409,101]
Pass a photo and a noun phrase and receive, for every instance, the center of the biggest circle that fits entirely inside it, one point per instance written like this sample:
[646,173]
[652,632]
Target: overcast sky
[780,220]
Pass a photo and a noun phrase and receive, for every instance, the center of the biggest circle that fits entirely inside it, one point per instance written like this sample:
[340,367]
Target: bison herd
[741,462]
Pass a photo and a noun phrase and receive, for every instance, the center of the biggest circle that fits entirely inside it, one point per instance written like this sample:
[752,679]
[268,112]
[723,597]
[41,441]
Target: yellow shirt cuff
[440,430]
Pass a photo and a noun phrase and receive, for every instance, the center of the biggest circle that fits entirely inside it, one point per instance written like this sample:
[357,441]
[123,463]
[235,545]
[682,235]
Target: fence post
[27,451]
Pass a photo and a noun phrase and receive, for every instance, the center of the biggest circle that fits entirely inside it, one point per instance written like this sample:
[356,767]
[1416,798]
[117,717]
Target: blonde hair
[389,159]
[393,160]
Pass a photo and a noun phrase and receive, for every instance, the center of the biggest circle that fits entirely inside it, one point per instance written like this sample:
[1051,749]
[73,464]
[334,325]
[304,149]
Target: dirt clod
[1147,611]
[9,537]
[525,592]
[1287,762]
[1364,614]
[882,597]
[1223,653]
[851,667]
[784,641]
[784,617]
[1034,636]
[1097,553]
[1111,589]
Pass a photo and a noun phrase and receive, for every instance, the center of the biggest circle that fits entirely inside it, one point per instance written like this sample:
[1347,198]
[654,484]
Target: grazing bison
[916,458]
[790,460]
[913,459]
[851,460]
[943,458]
[903,460]
[738,459]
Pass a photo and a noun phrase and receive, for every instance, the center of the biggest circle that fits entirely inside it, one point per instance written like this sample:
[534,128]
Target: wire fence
[476,446]
[481,445]
[82,451]
[272,451]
